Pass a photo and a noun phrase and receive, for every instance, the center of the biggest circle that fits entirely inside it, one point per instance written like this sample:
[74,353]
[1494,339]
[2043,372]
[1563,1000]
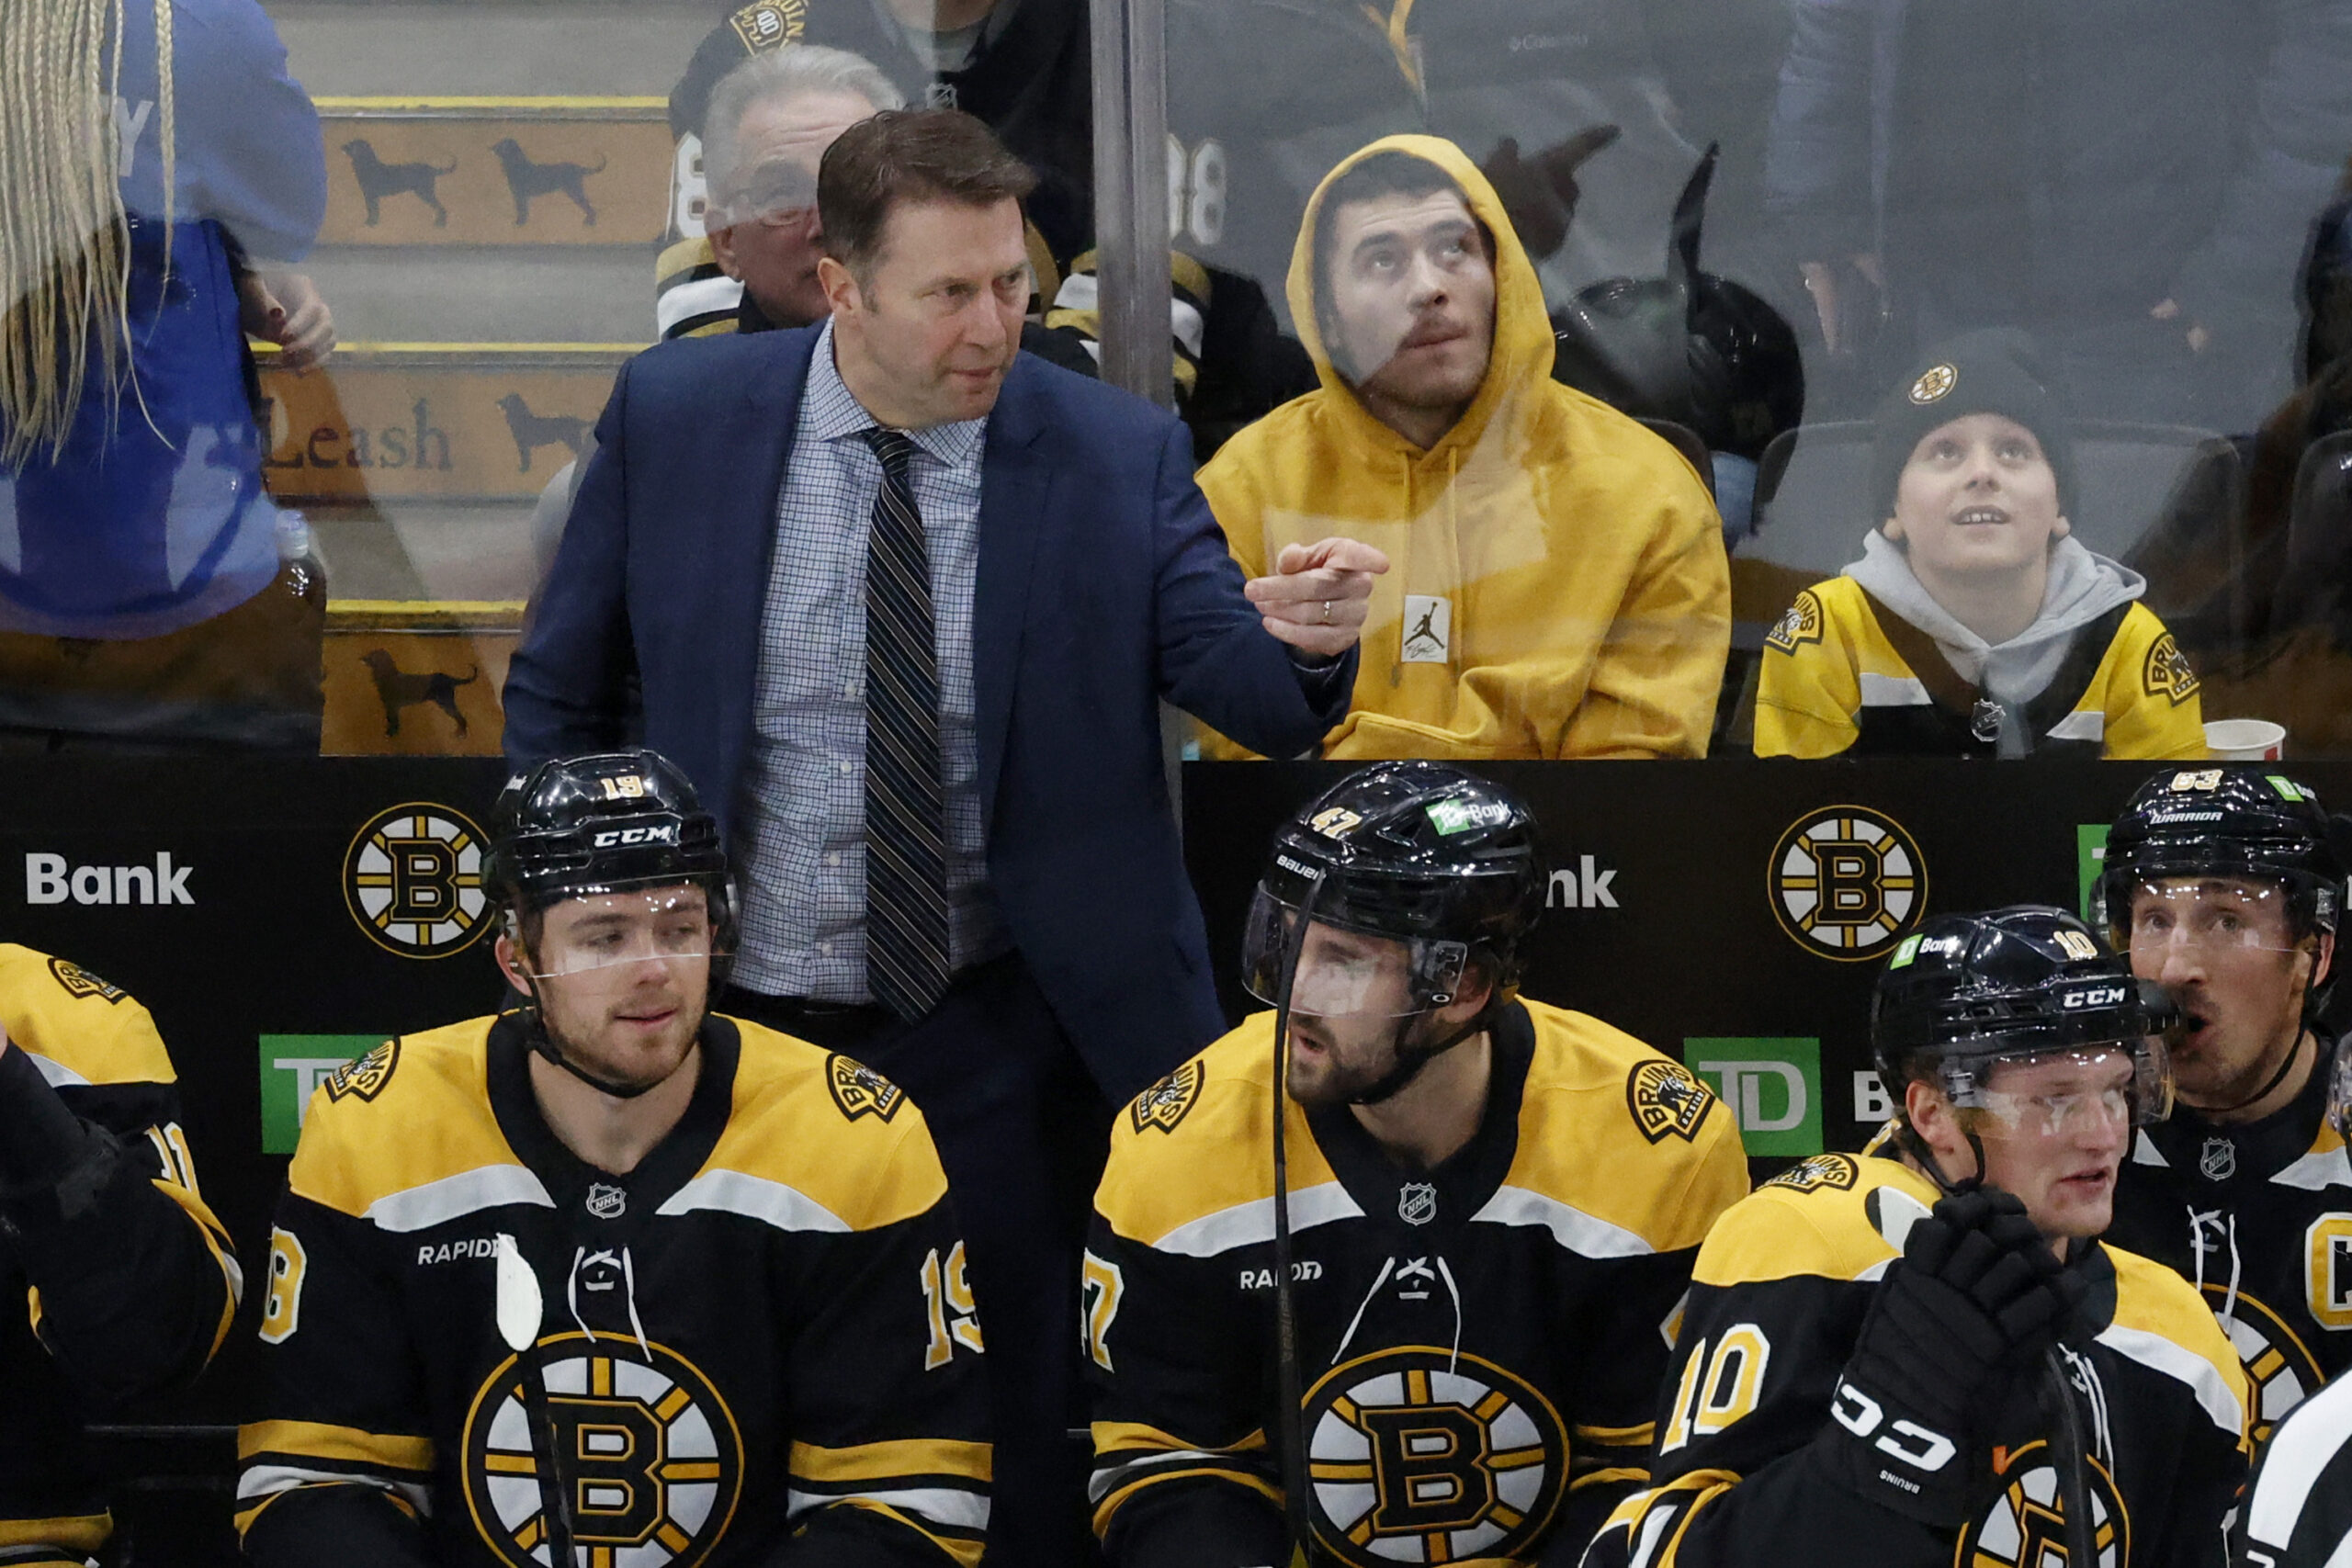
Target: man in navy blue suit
[903,602]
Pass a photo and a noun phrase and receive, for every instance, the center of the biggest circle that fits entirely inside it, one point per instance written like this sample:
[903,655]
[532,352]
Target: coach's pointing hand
[1319,593]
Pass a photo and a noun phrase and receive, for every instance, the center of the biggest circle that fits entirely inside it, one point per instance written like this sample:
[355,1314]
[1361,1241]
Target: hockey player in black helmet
[609,1269]
[2221,884]
[1922,1354]
[1406,1195]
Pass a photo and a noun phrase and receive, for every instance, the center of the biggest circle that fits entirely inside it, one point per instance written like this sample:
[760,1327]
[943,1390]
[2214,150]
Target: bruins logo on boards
[1668,1098]
[2282,1372]
[2165,673]
[79,982]
[1816,1173]
[1417,1456]
[1845,882]
[2026,1527]
[413,880]
[650,1453]
[365,1077]
[1165,1103]
[1801,622]
[859,1090]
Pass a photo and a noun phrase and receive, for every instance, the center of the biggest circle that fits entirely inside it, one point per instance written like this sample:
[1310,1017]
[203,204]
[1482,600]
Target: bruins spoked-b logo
[2026,1527]
[1845,882]
[649,1455]
[413,880]
[1417,1456]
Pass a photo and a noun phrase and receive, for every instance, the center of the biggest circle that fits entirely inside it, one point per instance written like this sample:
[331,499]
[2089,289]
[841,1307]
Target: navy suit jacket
[1104,585]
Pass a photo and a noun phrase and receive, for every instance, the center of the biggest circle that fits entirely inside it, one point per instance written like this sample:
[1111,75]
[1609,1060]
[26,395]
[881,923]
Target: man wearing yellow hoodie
[1560,588]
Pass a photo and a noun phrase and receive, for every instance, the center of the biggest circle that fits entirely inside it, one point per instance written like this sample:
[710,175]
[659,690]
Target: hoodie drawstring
[2227,1223]
[581,1258]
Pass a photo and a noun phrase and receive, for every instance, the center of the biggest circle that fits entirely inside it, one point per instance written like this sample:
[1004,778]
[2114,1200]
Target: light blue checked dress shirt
[802,842]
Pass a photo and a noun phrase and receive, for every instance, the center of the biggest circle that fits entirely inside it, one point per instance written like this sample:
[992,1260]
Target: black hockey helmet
[1419,852]
[1965,991]
[605,822]
[2246,821]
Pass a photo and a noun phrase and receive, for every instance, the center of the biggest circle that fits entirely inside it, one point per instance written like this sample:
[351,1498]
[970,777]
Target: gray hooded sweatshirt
[2081,588]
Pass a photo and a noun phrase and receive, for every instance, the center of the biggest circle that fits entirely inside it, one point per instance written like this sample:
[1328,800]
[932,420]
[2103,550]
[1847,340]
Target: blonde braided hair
[64,250]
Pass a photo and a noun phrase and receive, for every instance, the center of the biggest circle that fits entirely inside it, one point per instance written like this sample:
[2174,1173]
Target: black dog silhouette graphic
[397,688]
[527,179]
[378,179]
[533,431]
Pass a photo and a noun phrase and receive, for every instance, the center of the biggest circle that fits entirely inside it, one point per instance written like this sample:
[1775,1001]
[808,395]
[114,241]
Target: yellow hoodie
[1569,591]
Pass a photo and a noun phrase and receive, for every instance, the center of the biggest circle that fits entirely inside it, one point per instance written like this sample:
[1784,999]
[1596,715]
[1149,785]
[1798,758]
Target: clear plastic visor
[1344,974]
[2205,916]
[2066,1092]
[777,193]
[603,931]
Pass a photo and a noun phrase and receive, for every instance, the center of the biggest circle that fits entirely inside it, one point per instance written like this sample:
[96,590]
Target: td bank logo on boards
[1773,1087]
[52,879]
[413,880]
[292,1066]
[1845,882]
[2090,856]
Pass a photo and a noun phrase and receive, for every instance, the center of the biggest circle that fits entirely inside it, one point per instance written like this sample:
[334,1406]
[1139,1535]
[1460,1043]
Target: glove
[1976,1295]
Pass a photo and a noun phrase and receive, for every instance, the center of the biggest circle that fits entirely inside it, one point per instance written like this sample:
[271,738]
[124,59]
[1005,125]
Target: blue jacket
[1104,585]
[153,517]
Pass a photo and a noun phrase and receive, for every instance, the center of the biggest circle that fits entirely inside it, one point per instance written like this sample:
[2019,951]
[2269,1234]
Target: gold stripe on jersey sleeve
[1169,1167]
[216,1241]
[313,1439]
[1686,1495]
[1639,1437]
[965,1550]
[869,1162]
[1116,1499]
[1783,1233]
[1114,1437]
[92,1030]
[83,1533]
[891,1460]
[248,1512]
[1607,1477]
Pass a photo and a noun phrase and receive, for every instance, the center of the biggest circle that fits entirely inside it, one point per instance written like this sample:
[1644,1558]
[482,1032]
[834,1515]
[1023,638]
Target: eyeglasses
[776,196]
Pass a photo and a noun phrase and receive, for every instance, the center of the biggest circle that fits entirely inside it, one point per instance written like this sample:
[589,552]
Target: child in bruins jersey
[1924,1356]
[1973,626]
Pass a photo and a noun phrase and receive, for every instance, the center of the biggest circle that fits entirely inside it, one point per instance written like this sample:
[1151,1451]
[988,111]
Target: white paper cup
[2244,739]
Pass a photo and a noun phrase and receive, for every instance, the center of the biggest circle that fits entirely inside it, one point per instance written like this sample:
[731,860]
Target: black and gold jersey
[2258,1218]
[116,1279]
[1480,1344]
[2298,1507]
[1741,1476]
[763,1332]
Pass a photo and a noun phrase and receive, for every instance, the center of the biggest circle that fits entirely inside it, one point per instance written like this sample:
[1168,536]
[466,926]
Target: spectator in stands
[142,597]
[1972,626]
[2127,179]
[1560,588]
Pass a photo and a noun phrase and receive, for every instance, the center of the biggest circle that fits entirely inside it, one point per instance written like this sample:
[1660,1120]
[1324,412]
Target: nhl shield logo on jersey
[1417,1456]
[1164,1104]
[650,1456]
[1417,1202]
[366,1077]
[1846,882]
[859,1090]
[1668,1098]
[2026,1527]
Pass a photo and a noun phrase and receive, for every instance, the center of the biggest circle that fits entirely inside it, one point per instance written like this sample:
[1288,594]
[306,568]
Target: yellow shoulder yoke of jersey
[1816,1220]
[361,1140]
[1199,1141]
[2161,1309]
[828,1127]
[89,1030]
[1624,1132]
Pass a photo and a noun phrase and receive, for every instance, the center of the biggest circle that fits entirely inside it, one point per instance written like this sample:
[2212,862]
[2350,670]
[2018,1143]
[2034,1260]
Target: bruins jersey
[2258,1217]
[1776,1308]
[764,1331]
[1480,1344]
[1833,680]
[118,1278]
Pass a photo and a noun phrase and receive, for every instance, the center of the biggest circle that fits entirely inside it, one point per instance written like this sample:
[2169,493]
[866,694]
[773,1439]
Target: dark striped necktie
[905,812]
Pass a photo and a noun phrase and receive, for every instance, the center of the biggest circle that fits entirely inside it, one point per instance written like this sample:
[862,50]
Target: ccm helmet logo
[665,834]
[1906,1440]
[2097,997]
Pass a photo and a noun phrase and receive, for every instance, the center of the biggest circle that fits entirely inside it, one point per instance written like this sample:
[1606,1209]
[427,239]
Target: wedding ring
[1326,612]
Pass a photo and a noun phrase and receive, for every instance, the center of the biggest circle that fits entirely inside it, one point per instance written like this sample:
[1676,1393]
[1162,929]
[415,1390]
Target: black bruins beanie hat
[1997,370]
